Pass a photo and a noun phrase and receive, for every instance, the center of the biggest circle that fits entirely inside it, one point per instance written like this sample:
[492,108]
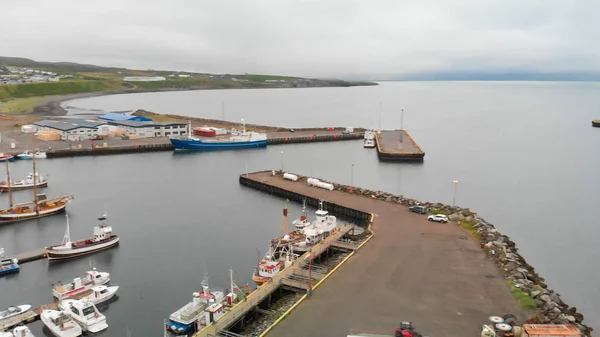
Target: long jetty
[294,276]
[435,275]
[163,144]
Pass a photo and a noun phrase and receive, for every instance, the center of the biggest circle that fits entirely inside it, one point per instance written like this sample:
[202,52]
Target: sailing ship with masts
[40,206]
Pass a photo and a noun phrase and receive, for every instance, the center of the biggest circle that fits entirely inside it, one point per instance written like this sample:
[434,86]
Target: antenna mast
[35,198]
[67,237]
[10,198]
[285,217]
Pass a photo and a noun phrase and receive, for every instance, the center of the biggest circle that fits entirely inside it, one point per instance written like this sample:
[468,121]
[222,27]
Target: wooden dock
[34,314]
[397,145]
[288,277]
[31,256]
[596,123]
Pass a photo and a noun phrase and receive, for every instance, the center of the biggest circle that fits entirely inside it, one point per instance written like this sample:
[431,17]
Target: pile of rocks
[551,308]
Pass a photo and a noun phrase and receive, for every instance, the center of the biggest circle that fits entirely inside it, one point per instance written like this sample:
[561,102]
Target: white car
[438,218]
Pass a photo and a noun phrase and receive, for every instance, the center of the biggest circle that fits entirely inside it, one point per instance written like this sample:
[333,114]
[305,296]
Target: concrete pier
[398,145]
[31,256]
[435,275]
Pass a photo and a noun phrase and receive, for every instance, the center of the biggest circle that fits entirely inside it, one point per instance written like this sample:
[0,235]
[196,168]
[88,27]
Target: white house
[72,129]
[152,129]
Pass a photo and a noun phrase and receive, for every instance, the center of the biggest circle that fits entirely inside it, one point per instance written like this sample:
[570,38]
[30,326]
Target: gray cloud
[308,38]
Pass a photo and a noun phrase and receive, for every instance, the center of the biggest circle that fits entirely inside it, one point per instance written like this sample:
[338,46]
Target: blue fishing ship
[7,265]
[229,141]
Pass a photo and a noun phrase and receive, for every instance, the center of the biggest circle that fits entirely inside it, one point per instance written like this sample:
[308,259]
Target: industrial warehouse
[110,125]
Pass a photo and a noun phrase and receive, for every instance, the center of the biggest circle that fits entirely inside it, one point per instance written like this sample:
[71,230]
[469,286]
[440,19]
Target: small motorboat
[14,311]
[302,221]
[6,157]
[101,294]
[85,313]
[27,183]
[29,155]
[22,331]
[60,323]
[8,264]
[79,285]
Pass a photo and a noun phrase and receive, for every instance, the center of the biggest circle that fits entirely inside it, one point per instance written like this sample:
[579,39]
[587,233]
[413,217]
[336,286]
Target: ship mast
[285,218]
[35,198]
[10,198]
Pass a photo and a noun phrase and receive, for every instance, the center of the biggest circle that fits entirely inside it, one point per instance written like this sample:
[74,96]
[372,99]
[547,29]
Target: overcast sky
[321,38]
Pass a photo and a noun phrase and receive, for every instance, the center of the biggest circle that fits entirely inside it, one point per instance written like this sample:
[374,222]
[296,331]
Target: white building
[152,129]
[72,130]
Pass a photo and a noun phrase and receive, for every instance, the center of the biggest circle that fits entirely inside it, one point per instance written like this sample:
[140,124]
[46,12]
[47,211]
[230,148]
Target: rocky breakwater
[543,305]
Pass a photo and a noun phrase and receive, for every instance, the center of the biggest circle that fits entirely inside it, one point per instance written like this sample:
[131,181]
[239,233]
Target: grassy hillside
[55,88]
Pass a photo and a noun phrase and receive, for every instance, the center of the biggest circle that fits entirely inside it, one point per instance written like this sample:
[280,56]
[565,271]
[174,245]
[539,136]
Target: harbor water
[524,154]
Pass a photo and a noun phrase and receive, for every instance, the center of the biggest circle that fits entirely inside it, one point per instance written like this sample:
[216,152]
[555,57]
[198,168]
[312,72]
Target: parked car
[438,218]
[418,209]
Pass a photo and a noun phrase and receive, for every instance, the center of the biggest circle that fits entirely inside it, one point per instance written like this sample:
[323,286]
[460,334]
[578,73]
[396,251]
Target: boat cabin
[213,312]
[268,267]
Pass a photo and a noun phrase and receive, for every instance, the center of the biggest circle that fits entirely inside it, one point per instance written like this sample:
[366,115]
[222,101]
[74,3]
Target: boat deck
[433,274]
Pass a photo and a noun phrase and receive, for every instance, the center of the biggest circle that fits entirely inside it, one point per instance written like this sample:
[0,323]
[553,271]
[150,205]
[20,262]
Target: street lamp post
[281,161]
[455,189]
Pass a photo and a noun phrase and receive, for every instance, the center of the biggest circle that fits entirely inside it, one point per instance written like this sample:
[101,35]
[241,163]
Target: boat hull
[54,255]
[12,217]
[73,331]
[180,328]
[9,158]
[260,280]
[195,145]
[9,270]
[4,188]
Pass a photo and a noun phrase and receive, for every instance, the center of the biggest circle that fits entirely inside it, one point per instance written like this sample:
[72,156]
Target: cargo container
[205,132]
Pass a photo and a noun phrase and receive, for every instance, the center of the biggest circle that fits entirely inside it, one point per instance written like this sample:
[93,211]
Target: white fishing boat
[24,184]
[14,311]
[302,221]
[100,294]
[22,331]
[318,230]
[184,320]
[276,259]
[80,284]
[369,139]
[102,239]
[85,313]
[30,155]
[60,323]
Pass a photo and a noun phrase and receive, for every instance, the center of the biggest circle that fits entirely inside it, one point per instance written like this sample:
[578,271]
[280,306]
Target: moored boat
[185,320]
[24,184]
[81,284]
[60,323]
[6,157]
[14,311]
[101,293]
[84,313]
[319,229]
[276,259]
[22,331]
[30,155]
[41,206]
[101,240]
[302,221]
[369,141]
[8,265]
[234,140]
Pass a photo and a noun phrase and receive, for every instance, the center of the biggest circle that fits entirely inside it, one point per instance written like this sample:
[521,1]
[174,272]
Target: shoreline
[51,106]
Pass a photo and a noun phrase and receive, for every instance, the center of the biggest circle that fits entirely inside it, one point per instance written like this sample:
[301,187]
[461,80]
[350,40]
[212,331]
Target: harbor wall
[524,280]
[99,151]
[315,138]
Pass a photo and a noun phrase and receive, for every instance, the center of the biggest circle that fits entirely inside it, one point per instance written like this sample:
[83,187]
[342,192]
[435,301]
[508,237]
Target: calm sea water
[525,154]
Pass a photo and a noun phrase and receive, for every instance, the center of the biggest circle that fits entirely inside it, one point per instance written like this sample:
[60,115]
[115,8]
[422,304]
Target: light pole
[352,176]
[401,125]
[281,161]
[455,189]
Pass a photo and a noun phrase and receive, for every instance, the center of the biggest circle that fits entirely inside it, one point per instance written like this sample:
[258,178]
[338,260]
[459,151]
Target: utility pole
[455,188]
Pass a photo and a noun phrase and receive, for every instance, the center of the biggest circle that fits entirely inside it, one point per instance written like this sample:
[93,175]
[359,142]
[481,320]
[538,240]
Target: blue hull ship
[7,265]
[199,145]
